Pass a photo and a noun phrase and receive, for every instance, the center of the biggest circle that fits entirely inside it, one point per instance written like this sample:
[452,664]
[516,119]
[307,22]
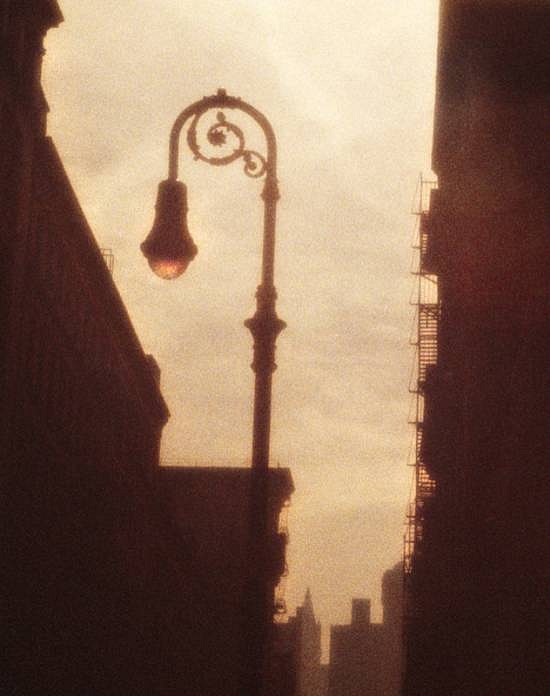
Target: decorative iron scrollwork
[230,138]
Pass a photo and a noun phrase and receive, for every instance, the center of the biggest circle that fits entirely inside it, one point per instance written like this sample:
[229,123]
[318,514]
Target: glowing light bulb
[168,269]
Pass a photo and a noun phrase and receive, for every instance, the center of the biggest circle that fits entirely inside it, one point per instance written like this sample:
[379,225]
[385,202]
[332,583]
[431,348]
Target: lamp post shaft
[265,327]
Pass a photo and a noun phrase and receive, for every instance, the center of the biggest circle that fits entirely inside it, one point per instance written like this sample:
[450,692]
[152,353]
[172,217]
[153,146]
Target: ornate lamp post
[169,249]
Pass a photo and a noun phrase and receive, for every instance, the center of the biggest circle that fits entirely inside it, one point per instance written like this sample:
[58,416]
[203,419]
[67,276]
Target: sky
[349,90]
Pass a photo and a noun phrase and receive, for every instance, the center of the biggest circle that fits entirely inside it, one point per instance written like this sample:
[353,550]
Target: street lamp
[169,249]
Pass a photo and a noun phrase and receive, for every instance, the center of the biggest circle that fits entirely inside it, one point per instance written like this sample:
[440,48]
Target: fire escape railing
[426,350]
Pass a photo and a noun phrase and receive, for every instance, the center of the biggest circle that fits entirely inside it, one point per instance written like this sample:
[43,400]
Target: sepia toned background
[349,92]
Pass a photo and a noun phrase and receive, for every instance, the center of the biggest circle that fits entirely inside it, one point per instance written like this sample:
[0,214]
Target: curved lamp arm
[169,247]
[221,100]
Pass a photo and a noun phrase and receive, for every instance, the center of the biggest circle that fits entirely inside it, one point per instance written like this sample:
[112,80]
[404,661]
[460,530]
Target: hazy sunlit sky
[349,89]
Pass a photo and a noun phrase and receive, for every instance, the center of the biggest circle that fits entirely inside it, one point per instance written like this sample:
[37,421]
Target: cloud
[350,95]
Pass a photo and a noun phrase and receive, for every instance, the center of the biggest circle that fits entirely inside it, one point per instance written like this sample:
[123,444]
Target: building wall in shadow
[98,594]
[480,580]
[210,510]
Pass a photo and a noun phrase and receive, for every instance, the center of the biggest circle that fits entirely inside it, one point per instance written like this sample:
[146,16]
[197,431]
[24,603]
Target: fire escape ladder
[428,318]
[428,311]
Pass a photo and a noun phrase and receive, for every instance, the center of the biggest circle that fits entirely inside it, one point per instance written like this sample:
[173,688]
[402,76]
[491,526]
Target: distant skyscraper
[295,665]
[356,654]
[392,604]
[366,658]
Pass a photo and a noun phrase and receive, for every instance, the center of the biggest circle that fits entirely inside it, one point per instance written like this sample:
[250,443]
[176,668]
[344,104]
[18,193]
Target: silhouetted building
[392,621]
[479,578]
[97,593]
[356,654]
[366,658]
[323,679]
[210,508]
[295,665]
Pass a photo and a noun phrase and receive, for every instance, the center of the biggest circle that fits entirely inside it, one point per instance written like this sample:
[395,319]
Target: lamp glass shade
[169,248]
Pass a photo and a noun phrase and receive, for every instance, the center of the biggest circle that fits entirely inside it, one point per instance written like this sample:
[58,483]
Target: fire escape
[424,339]
[109,259]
